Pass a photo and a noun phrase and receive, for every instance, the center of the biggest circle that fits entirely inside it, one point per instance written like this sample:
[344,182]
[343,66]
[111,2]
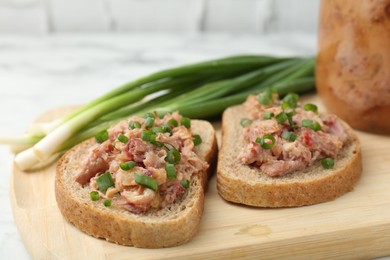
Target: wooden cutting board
[356,225]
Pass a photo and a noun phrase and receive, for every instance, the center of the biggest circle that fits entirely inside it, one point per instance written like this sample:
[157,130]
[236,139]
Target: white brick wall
[23,16]
[237,16]
[155,15]
[78,15]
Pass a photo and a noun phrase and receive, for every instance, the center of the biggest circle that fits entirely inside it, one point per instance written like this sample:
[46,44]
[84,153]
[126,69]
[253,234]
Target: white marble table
[38,73]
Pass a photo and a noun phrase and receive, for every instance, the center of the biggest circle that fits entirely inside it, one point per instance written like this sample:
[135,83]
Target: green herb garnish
[107,203]
[327,163]
[122,138]
[145,181]
[185,184]
[173,123]
[170,170]
[101,136]
[186,122]
[268,115]
[94,195]
[134,124]
[289,136]
[104,181]
[264,141]
[127,165]
[197,140]
[148,136]
[311,124]
[281,117]
[310,107]
[173,156]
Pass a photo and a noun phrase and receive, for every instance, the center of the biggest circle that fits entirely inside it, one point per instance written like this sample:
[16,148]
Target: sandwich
[283,153]
[141,183]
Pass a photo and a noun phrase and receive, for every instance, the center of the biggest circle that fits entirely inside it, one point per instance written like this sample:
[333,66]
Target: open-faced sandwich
[281,153]
[141,182]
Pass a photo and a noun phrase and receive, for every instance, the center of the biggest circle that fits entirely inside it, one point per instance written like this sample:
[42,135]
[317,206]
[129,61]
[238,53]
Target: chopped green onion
[263,141]
[148,136]
[290,101]
[122,138]
[166,128]
[161,114]
[186,122]
[170,170]
[134,124]
[173,123]
[146,181]
[286,105]
[269,91]
[185,184]
[107,203]
[311,124]
[94,195]
[265,100]
[289,136]
[162,129]
[197,140]
[104,181]
[268,115]
[173,156]
[149,122]
[281,117]
[127,165]
[245,122]
[266,96]
[290,121]
[101,136]
[327,163]
[157,129]
[146,115]
[310,107]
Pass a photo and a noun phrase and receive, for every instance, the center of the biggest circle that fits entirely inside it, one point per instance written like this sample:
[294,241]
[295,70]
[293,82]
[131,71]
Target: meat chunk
[94,164]
[279,168]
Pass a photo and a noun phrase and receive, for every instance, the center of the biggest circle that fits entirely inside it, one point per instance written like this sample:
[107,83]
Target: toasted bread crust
[171,226]
[248,185]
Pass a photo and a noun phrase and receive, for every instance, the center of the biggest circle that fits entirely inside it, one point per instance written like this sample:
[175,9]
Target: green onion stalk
[203,69]
[206,108]
[200,90]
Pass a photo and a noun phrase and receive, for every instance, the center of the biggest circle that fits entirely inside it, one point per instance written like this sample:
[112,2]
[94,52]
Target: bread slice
[171,226]
[247,185]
